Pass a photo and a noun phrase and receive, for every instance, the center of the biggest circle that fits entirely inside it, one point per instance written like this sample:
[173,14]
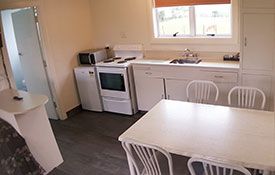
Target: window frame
[192,23]
[216,44]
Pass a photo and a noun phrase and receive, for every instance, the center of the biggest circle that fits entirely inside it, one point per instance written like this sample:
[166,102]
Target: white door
[28,43]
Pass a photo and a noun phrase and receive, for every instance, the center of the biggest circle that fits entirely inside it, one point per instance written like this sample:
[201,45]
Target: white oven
[116,81]
[115,89]
[113,82]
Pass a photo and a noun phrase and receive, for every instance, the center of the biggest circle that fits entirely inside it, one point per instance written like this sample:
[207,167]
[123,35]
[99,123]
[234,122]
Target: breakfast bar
[28,116]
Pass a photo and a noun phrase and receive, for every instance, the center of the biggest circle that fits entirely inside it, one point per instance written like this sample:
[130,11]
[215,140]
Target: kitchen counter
[29,102]
[202,64]
[30,119]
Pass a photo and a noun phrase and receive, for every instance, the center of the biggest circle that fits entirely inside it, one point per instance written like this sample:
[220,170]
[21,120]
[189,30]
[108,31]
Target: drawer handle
[148,73]
[218,76]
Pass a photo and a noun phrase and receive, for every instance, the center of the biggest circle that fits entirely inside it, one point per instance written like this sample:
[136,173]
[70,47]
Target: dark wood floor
[89,145]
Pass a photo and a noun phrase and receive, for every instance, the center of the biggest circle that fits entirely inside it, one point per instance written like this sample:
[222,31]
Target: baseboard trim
[74,111]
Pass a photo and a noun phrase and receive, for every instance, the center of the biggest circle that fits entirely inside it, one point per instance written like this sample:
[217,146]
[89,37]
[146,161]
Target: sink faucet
[189,54]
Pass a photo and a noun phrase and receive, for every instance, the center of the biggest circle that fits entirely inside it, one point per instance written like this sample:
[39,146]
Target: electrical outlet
[107,46]
[123,35]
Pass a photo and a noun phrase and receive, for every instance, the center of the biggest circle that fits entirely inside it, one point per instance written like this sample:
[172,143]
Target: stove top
[121,62]
[130,58]
[117,58]
[109,60]
[117,62]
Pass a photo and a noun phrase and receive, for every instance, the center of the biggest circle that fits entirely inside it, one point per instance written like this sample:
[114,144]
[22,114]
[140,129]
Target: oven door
[113,82]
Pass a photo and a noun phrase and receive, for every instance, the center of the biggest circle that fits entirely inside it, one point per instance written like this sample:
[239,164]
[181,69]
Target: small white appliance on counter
[86,78]
[116,81]
[91,57]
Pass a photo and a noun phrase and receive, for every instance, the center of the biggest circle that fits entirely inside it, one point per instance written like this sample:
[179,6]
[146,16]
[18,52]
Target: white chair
[246,97]
[202,91]
[211,167]
[147,156]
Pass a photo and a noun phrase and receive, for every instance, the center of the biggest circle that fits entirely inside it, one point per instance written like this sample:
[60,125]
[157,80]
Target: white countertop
[202,64]
[240,136]
[29,102]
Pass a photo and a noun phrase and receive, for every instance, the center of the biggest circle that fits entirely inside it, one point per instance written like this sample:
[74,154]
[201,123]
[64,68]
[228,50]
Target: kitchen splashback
[168,55]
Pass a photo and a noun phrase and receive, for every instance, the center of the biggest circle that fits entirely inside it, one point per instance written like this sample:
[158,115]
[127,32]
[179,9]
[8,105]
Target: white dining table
[233,135]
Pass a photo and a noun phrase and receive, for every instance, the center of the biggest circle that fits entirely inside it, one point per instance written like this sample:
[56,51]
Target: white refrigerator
[88,90]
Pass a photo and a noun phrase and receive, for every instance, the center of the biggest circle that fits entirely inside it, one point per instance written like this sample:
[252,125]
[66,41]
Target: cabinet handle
[162,96]
[148,73]
[245,41]
[168,97]
[218,76]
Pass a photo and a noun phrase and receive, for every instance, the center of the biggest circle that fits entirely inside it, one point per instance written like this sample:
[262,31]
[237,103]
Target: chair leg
[265,172]
[130,164]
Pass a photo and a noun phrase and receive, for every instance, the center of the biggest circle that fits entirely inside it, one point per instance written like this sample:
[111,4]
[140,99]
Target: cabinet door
[256,4]
[262,82]
[224,89]
[176,89]
[258,41]
[149,91]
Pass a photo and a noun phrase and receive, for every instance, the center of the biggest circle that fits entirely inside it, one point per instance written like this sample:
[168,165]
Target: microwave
[92,56]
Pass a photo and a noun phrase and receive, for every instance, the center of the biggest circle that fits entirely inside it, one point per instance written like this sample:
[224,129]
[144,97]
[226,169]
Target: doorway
[23,43]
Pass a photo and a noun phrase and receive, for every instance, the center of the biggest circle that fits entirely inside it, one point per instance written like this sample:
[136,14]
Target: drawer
[220,77]
[147,72]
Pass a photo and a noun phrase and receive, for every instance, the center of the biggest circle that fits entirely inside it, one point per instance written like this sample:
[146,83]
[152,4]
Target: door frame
[45,60]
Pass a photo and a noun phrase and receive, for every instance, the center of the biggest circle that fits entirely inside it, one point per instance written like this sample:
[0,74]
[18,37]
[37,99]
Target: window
[193,21]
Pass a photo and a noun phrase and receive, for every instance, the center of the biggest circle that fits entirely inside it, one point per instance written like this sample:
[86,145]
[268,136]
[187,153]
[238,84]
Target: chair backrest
[246,97]
[211,167]
[202,91]
[147,157]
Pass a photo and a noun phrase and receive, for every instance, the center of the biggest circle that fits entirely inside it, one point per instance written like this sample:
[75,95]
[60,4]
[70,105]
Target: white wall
[69,30]
[66,29]
[4,84]
[130,21]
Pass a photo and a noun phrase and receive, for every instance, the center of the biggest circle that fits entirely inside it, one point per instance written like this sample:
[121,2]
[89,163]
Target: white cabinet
[176,89]
[258,45]
[258,41]
[224,80]
[264,4]
[224,89]
[263,82]
[149,87]
[154,83]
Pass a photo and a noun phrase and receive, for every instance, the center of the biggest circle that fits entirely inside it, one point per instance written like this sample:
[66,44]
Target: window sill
[195,40]
[196,37]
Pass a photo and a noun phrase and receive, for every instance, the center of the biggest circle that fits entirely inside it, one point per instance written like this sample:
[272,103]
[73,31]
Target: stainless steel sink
[186,61]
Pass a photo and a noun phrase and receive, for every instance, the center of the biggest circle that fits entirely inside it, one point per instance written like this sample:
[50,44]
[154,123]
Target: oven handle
[118,100]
